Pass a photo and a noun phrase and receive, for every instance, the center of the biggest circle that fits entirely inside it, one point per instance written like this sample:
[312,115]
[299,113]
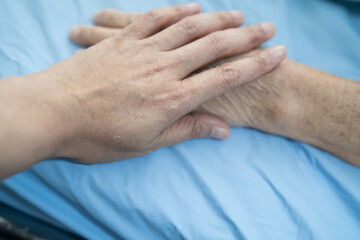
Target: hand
[257,104]
[252,104]
[131,94]
[297,102]
[293,101]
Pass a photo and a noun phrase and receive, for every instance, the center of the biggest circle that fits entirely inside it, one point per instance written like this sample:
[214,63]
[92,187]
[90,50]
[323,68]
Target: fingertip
[238,16]
[75,33]
[268,28]
[219,129]
[219,133]
[278,52]
[194,7]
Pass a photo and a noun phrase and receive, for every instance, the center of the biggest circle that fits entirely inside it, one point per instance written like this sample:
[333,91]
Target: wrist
[290,107]
[44,122]
[322,110]
[276,99]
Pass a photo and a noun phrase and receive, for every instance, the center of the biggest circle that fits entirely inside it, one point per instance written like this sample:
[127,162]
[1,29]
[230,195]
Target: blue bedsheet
[251,186]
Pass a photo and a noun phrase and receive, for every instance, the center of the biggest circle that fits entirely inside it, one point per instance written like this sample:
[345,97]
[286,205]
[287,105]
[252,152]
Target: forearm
[28,133]
[320,109]
[297,102]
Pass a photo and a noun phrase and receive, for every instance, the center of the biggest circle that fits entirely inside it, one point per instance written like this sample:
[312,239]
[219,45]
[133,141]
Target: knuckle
[254,34]
[175,102]
[196,128]
[227,75]
[224,17]
[261,62]
[188,26]
[118,37]
[159,67]
[176,97]
[154,68]
[217,44]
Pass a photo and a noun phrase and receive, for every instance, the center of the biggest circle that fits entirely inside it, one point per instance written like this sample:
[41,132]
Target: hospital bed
[17,225]
[252,186]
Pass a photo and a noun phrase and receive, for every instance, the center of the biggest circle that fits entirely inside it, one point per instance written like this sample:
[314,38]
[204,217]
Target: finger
[156,20]
[196,26]
[213,82]
[89,35]
[191,126]
[222,44]
[114,18]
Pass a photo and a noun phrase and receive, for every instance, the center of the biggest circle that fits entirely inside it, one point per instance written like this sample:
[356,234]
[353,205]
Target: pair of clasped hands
[135,89]
[153,80]
[147,82]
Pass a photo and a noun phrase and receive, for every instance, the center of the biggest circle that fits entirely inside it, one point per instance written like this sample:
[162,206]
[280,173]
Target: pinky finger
[87,36]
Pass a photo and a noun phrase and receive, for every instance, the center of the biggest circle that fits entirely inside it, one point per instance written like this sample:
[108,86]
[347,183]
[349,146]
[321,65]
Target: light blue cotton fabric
[252,186]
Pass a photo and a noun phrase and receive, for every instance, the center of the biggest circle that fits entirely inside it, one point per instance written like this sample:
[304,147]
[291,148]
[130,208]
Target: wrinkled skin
[249,105]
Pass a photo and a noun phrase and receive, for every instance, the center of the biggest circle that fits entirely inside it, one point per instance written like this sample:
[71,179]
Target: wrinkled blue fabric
[252,186]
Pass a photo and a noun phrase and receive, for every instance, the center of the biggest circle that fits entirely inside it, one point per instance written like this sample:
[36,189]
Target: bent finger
[89,35]
[114,18]
[196,26]
[158,19]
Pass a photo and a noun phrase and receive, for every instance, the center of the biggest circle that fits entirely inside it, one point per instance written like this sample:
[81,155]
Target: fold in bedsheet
[251,186]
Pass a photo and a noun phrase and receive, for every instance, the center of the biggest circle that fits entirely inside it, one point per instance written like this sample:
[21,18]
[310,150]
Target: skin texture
[298,102]
[294,100]
[133,92]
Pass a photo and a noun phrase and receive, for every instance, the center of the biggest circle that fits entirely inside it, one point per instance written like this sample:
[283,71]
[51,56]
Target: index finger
[207,85]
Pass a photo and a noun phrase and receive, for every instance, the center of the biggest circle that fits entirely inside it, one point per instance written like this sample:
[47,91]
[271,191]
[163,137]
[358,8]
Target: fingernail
[239,17]
[268,28]
[219,133]
[193,6]
[278,51]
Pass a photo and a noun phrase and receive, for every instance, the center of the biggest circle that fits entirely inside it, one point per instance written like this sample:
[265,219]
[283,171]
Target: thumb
[191,126]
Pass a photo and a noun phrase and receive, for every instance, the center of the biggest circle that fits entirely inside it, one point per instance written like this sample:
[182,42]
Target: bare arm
[294,100]
[324,111]
[29,132]
[298,102]
[131,94]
